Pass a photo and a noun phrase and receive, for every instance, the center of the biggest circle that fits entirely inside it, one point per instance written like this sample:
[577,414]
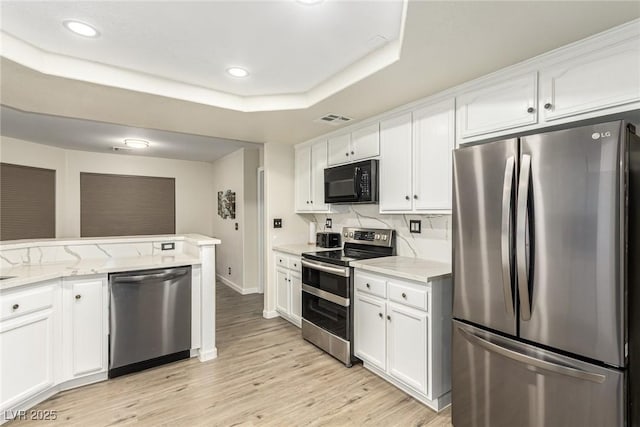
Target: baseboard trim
[239,289]
[270,314]
[203,356]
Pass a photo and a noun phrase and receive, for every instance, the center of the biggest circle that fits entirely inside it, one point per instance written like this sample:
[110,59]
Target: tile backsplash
[433,243]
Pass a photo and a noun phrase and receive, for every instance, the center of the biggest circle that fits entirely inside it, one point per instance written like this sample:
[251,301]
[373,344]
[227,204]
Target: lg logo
[598,135]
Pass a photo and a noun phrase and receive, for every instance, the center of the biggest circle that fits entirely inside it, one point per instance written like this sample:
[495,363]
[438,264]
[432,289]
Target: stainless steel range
[327,287]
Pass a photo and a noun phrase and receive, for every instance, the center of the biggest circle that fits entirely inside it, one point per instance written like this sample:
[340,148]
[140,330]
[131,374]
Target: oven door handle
[327,268]
[344,302]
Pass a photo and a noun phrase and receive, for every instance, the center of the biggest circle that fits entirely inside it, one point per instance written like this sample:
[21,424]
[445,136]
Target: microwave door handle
[356,182]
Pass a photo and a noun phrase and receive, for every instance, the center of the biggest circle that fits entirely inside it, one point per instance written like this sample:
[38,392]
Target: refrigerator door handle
[521,236]
[505,241]
[530,360]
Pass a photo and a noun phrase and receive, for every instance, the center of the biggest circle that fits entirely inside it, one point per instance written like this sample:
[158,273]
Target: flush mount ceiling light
[136,143]
[237,72]
[81,28]
[309,2]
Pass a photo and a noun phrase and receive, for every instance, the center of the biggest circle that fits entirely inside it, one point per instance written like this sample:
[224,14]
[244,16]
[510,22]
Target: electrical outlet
[277,223]
[229,270]
[236,225]
[168,246]
[415,226]
[328,223]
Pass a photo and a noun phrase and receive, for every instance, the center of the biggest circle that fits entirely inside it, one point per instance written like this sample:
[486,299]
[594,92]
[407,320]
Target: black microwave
[352,183]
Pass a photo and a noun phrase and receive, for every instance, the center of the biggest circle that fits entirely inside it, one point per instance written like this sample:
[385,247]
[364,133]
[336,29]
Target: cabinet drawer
[371,284]
[282,261]
[409,294]
[16,304]
[294,264]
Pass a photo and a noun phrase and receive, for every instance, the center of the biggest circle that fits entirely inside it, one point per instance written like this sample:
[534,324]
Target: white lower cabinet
[402,333]
[289,287]
[29,343]
[85,329]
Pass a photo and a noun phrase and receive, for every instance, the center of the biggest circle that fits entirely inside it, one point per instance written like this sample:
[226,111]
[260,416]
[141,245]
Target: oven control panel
[368,236]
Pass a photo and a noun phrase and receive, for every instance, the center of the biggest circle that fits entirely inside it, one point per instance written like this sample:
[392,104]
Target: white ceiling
[87,135]
[444,44]
[179,49]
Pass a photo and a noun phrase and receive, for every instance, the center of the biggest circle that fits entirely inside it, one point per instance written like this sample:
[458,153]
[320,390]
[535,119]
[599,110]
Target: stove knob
[384,237]
[351,234]
[346,234]
[377,237]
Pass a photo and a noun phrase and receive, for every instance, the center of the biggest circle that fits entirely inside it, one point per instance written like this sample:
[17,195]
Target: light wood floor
[265,375]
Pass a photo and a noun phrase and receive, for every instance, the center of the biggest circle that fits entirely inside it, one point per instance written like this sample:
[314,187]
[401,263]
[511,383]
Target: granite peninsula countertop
[417,269]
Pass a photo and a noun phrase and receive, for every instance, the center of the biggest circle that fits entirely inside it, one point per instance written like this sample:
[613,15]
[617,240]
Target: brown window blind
[122,205]
[27,202]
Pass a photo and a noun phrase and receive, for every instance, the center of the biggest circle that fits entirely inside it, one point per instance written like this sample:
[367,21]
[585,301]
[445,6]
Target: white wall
[279,203]
[194,196]
[238,251]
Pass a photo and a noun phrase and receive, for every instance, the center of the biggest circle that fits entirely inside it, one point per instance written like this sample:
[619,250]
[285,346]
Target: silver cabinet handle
[404,295]
[521,237]
[547,106]
[368,286]
[531,110]
[352,153]
[505,241]
[415,196]
[389,318]
[530,360]
[78,296]
[346,154]
[16,306]
[406,197]
[380,314]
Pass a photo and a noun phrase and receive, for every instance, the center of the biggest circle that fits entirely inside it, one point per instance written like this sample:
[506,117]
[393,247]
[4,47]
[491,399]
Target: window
[122,205]
[27,202]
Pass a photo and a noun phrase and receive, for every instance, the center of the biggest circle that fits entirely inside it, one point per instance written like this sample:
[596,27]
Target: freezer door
[569,241]
[499,382]
[483,212]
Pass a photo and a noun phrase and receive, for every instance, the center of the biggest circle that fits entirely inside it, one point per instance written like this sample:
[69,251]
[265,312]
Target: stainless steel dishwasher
[150,318]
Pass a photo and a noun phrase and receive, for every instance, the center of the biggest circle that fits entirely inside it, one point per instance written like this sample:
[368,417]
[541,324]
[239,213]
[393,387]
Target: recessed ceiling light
[237,72]
[309,2]
[81,28]
[136,143]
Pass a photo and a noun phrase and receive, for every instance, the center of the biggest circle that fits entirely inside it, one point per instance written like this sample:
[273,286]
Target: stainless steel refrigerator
[545,270]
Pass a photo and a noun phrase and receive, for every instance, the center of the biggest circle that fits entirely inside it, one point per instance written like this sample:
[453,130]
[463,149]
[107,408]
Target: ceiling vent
[333,119]
[123,149]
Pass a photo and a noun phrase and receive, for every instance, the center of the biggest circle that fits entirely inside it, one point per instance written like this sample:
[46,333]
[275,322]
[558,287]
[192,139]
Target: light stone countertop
[418,269]
[26,274]
[299,248]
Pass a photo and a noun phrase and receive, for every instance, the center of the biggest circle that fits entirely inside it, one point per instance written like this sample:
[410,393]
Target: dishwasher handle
[165,275]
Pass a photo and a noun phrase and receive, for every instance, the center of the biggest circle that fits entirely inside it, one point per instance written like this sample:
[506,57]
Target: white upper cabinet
[602,79]
[365,143]
[395,164]
[339,149]
[433,142]
[506,104]
[310,162]
[360,144]
[415,160]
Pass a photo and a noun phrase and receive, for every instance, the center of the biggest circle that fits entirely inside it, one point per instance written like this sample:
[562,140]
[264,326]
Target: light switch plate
[277,223]
[328,223]
[415,226]
[168,246]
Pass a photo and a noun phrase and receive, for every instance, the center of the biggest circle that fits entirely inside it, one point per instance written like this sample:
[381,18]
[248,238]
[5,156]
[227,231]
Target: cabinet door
[303,178]
[433,142]
[603,79]
[365,142]
[338,149]
[296,296]
[369,330]
[318,164]
[282,291]
[85,302]
[395,164]
[26,356]
[407,340]
[504,105]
